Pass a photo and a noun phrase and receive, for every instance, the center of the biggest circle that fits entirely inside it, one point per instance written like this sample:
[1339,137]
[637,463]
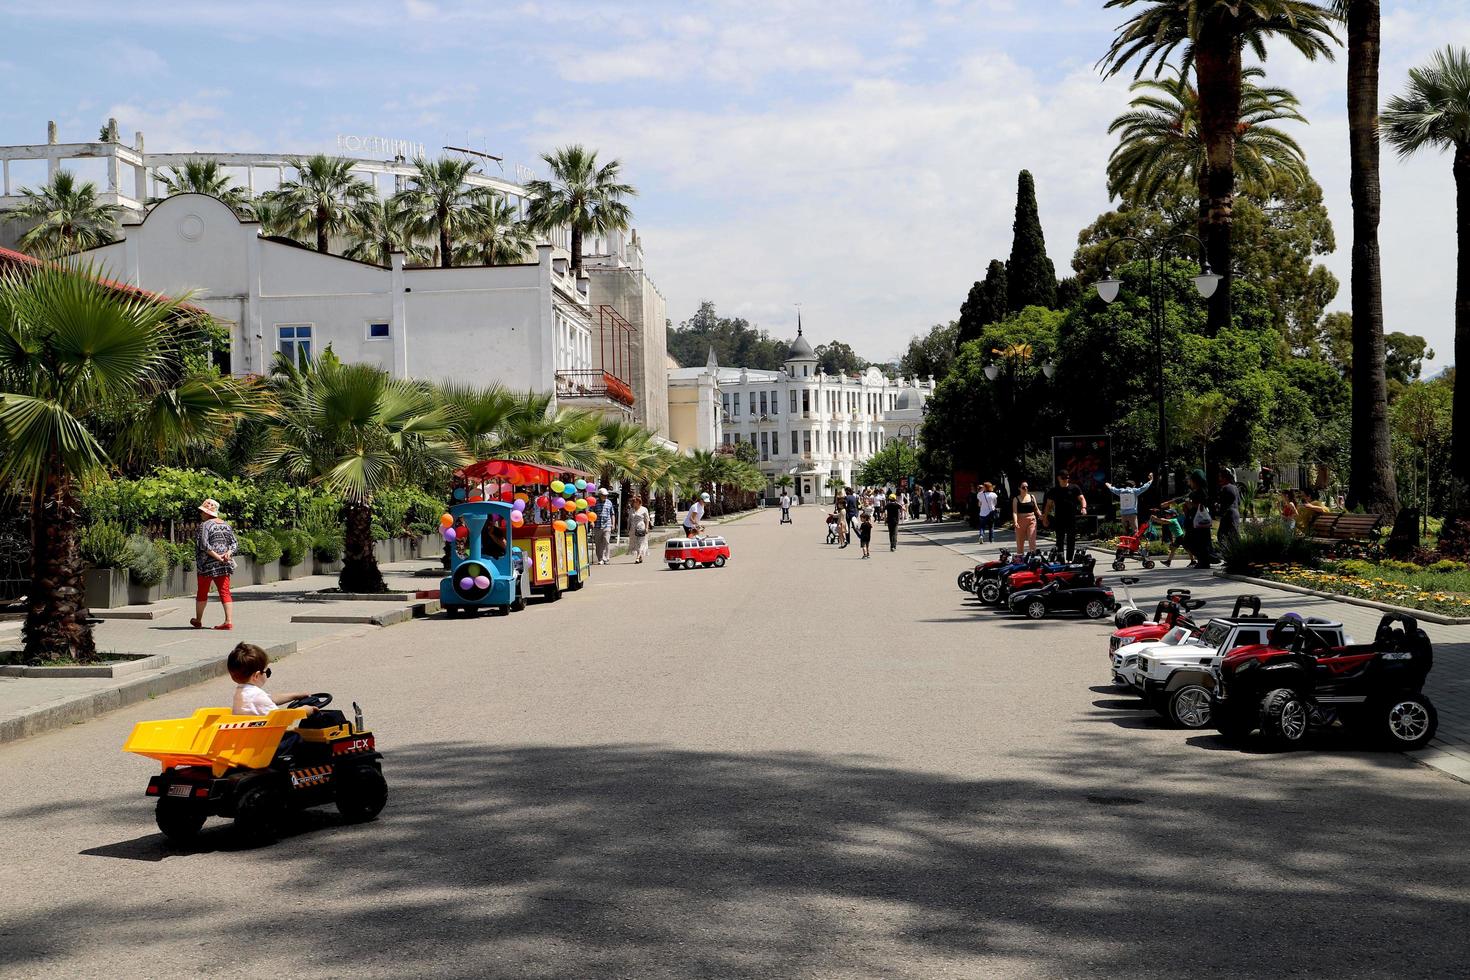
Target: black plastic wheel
[674,566]
[966,581]
[719,561]
[1189,706]
[1285,717]
[1407,721]
[519,602]
[989,592]
[1149,563]
[259,813]
[360,793]
[1118,565]
[179,820]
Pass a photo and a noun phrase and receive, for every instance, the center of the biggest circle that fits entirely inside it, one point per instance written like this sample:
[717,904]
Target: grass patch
[1441,592]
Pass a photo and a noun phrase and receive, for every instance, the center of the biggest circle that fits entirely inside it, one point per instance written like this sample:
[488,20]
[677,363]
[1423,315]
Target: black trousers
[1066,532]
[893,537]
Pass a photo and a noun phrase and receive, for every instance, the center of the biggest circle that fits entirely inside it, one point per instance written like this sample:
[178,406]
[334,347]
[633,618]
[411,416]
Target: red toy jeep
[696,552]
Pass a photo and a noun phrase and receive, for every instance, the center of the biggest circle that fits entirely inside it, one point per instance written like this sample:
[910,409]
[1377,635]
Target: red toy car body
[696,552]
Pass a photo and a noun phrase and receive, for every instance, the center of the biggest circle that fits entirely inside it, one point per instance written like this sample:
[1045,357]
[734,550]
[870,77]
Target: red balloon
[461,533]
[507,495]
[543,501]
[475,499]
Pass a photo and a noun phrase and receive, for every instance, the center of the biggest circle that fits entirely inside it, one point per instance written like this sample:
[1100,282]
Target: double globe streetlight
[1107,290]
[1014,356]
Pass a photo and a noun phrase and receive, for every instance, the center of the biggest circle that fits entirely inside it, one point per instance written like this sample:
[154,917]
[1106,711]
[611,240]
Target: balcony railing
[593,384]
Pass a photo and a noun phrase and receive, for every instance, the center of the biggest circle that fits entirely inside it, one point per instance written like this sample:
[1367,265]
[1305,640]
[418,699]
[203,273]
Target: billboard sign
[1089,461]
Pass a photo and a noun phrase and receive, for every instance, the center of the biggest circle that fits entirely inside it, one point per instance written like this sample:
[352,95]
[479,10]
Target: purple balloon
[591,487]
[466,583]
[482,582]
[519,506]
[449,534]
[557,503]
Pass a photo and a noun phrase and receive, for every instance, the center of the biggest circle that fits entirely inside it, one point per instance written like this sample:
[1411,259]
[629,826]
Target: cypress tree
[986,303]
[1031,279]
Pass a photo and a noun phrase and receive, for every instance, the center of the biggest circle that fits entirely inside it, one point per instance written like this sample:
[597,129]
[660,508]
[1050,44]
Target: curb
[1422,614]
[113,670]
[53,717]
[417,610]
[134,613]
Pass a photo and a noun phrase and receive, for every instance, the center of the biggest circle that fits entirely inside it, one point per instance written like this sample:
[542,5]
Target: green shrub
[1356,566]
[1446,566]
[104,545]
[327,546]
[1399,566]
[1267,544]
[380,531]
[146,561]
[264,547]
[295,546]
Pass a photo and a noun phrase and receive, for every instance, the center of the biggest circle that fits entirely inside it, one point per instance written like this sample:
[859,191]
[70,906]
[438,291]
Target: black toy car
[1295,683]
[1082,593]
[250,768]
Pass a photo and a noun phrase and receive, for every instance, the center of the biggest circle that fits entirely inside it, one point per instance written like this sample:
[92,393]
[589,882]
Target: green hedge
[260,545]
[103,545]
[174,494]
[295,546]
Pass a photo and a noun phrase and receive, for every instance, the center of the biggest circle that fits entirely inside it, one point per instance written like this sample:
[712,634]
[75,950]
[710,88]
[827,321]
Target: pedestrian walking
[892,513]
[639,524]
[1023,515]
[1128,502]
[903,504]
[1227,508]
[694,516]
[785,507]
[602,531]
[865,533]
[1065,502]
[850,506]
[987,502]
[214,561]
[1198,521]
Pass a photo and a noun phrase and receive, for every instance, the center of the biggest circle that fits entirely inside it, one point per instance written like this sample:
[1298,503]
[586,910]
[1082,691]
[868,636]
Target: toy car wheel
[1095,609]
[1149,563]
[989,591]
[719,561]
[674,566]
[689,563]
[1189,707]
[966,581]
[259,813]
[1133,617]
[179,820]
[1284,717]
[452,611]
[1118,565]
[361,793]
[1035,609]
[1409,721]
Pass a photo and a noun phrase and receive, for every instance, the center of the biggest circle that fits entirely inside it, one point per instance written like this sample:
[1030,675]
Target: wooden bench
[1336,528]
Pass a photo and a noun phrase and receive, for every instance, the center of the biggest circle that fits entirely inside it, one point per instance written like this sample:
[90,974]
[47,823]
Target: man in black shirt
[891,513]
[1064,503]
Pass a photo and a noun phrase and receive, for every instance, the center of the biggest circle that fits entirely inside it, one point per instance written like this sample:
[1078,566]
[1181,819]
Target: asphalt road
[801,765]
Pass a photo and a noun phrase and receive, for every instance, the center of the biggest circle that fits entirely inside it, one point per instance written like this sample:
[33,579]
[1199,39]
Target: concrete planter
[142,595]
[265,572]
[300,570]
[107,588]
[319,567]
[179,581]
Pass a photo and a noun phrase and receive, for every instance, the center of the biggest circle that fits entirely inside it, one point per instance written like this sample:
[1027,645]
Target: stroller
[1134,546]
[831,528]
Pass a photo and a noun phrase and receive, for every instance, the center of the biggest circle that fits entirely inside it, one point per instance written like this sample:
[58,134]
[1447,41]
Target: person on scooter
[1064,504]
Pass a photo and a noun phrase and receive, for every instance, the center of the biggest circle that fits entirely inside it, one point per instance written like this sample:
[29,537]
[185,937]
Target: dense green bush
[179,555]
[327,546]
[1267,544]
[104,545]
[295,546]
[1448,566]
[171,494]
[406,512]
[260,545]
[145,560]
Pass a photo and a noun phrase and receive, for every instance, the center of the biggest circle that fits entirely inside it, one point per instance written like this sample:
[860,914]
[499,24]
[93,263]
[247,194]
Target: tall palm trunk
[56,613]
[446,257]
[321,229]
[576,251]
[1217,66]
[359,564]
[1371,481]
[1460,437]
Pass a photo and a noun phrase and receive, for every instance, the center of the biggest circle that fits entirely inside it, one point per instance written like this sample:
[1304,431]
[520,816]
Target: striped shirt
[217,536]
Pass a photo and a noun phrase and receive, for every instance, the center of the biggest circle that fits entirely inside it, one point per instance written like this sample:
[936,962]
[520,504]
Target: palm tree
[86,371]
[441,200]
[1434,113]
[204,177]
[1214,35]
[1160,147]
[321,197]
[381,227]
[276,220]
[68,217]
[496,234]
[1371,481]
[581,196]
[353,430]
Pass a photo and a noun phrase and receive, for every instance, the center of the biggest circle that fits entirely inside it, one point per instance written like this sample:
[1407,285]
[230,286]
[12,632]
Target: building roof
[800,349]
[13,259]
[909,398]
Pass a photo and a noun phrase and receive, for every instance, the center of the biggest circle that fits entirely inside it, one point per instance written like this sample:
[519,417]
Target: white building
[816,427]
[525,326]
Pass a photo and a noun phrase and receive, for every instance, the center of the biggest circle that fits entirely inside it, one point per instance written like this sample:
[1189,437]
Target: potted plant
[326,553]
[266,551]
[103,547]
[147,564]
[295,553]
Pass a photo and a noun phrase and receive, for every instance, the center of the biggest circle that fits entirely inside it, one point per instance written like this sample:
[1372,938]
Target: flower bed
[1397,590]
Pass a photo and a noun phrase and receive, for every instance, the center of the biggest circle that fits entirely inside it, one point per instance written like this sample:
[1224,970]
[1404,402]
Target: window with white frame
[379,330]
[294,341]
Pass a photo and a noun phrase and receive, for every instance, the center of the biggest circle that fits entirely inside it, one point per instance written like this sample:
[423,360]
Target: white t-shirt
[252,700]
[785,501]
[987,502]
[696,511]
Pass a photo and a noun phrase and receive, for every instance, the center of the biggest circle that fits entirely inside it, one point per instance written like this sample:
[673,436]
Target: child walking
[865,533]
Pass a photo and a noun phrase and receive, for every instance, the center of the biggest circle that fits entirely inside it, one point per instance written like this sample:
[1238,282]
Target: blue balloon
[459,493]
[581,484]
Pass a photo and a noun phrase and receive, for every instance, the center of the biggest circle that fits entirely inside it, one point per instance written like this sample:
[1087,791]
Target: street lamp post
[1107,290]
[1015,356]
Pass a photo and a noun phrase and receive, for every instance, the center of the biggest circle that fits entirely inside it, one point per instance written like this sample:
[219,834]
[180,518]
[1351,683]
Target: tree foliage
[838,358]
[931,354]
[986,303]
[736,343]
[1031,279]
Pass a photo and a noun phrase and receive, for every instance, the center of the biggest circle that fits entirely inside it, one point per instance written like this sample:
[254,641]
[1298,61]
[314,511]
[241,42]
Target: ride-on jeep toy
[1226,633]
[988,577]
[217,764]
[1177,679]
[1294,683]
[966,579]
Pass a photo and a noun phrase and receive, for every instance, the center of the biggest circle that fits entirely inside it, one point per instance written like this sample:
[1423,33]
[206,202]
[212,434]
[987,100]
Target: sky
[858,158]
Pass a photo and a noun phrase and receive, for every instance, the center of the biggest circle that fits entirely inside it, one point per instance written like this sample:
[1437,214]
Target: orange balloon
[446,521]
[591,516]
[559,525]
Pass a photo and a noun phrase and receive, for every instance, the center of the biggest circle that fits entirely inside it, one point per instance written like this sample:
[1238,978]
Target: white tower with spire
[801,360]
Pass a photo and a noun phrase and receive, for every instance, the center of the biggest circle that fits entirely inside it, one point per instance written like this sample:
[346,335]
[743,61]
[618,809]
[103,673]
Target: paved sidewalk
[263,613]
[1448,684]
